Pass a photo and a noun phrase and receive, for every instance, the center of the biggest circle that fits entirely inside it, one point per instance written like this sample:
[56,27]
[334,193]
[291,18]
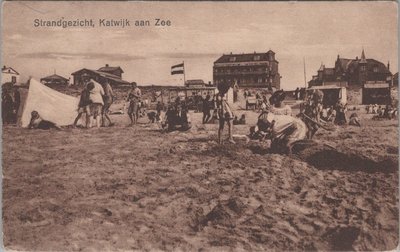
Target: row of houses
[367,80]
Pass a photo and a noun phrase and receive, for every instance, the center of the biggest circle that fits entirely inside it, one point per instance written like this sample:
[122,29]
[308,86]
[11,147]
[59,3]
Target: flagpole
[305,82]
[184,73]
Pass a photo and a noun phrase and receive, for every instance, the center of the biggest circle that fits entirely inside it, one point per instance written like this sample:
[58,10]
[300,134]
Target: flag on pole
[178,69]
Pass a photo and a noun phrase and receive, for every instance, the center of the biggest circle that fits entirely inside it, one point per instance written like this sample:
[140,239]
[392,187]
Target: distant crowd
[276,119]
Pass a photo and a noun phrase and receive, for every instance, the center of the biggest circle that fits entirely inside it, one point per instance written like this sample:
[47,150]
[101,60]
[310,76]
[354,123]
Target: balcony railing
[241,73]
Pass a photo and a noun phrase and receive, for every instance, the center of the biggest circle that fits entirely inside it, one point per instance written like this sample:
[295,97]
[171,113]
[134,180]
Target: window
[13,79]
[375,69]
[362,68]
[259,80]
[257,57]
[232,59]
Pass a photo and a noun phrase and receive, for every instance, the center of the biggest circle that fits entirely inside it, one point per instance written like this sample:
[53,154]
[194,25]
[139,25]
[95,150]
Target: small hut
[54,81]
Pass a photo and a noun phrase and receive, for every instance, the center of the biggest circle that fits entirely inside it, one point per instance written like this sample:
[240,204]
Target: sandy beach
[136,188]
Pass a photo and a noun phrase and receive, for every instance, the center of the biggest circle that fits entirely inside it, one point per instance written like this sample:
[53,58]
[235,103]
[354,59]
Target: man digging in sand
[283,130]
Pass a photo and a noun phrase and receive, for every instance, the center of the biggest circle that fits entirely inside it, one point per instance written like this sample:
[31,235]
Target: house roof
[248,57]
[195,81]
[329,71]
[348,64]
[344,63]
[9,70]
[109,69]
[103,74]
[54,77]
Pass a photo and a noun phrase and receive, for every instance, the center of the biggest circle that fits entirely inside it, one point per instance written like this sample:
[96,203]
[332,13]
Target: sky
[200,32]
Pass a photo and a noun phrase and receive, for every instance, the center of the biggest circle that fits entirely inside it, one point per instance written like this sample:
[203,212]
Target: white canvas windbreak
[51,105]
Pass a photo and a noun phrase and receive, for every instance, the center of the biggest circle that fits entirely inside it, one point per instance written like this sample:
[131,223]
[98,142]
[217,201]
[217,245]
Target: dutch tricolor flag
[178,69]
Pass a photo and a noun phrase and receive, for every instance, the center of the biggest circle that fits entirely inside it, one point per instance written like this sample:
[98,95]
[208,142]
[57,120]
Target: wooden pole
[305,81]
[184,73]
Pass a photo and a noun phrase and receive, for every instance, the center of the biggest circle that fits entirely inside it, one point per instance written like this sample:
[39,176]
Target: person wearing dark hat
[134,100]
[225,114]
[278,108]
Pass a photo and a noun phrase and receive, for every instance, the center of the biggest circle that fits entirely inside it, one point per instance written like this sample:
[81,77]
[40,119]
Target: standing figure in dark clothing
[17,102]
[159,108]
[7,106]
[84,104]
[206,109]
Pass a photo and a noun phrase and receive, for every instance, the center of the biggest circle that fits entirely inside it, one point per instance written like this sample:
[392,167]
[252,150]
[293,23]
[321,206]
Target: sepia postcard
[200,126]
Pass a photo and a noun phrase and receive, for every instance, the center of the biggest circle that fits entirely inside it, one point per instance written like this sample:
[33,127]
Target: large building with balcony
[251,70]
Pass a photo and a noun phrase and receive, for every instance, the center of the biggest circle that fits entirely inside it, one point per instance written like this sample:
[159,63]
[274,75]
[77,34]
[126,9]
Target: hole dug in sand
[326,157]
[342,238]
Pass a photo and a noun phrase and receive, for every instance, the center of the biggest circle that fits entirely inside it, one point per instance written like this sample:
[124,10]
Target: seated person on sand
[354,120]
[324,114]
[240,121]
[331,115]
[38,123]
[340,118]
[283,131]
[154,116]
[389,112]
[177,117]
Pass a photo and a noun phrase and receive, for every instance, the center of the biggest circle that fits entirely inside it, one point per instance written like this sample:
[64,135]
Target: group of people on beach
[96,99]
[385,112]
[276,120]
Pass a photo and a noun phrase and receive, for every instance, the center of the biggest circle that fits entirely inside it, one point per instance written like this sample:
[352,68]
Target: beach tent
[51,105]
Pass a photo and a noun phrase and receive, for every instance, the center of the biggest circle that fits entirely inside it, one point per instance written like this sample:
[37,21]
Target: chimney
[356,57]
[4,67]
[388,65]
[106,65]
